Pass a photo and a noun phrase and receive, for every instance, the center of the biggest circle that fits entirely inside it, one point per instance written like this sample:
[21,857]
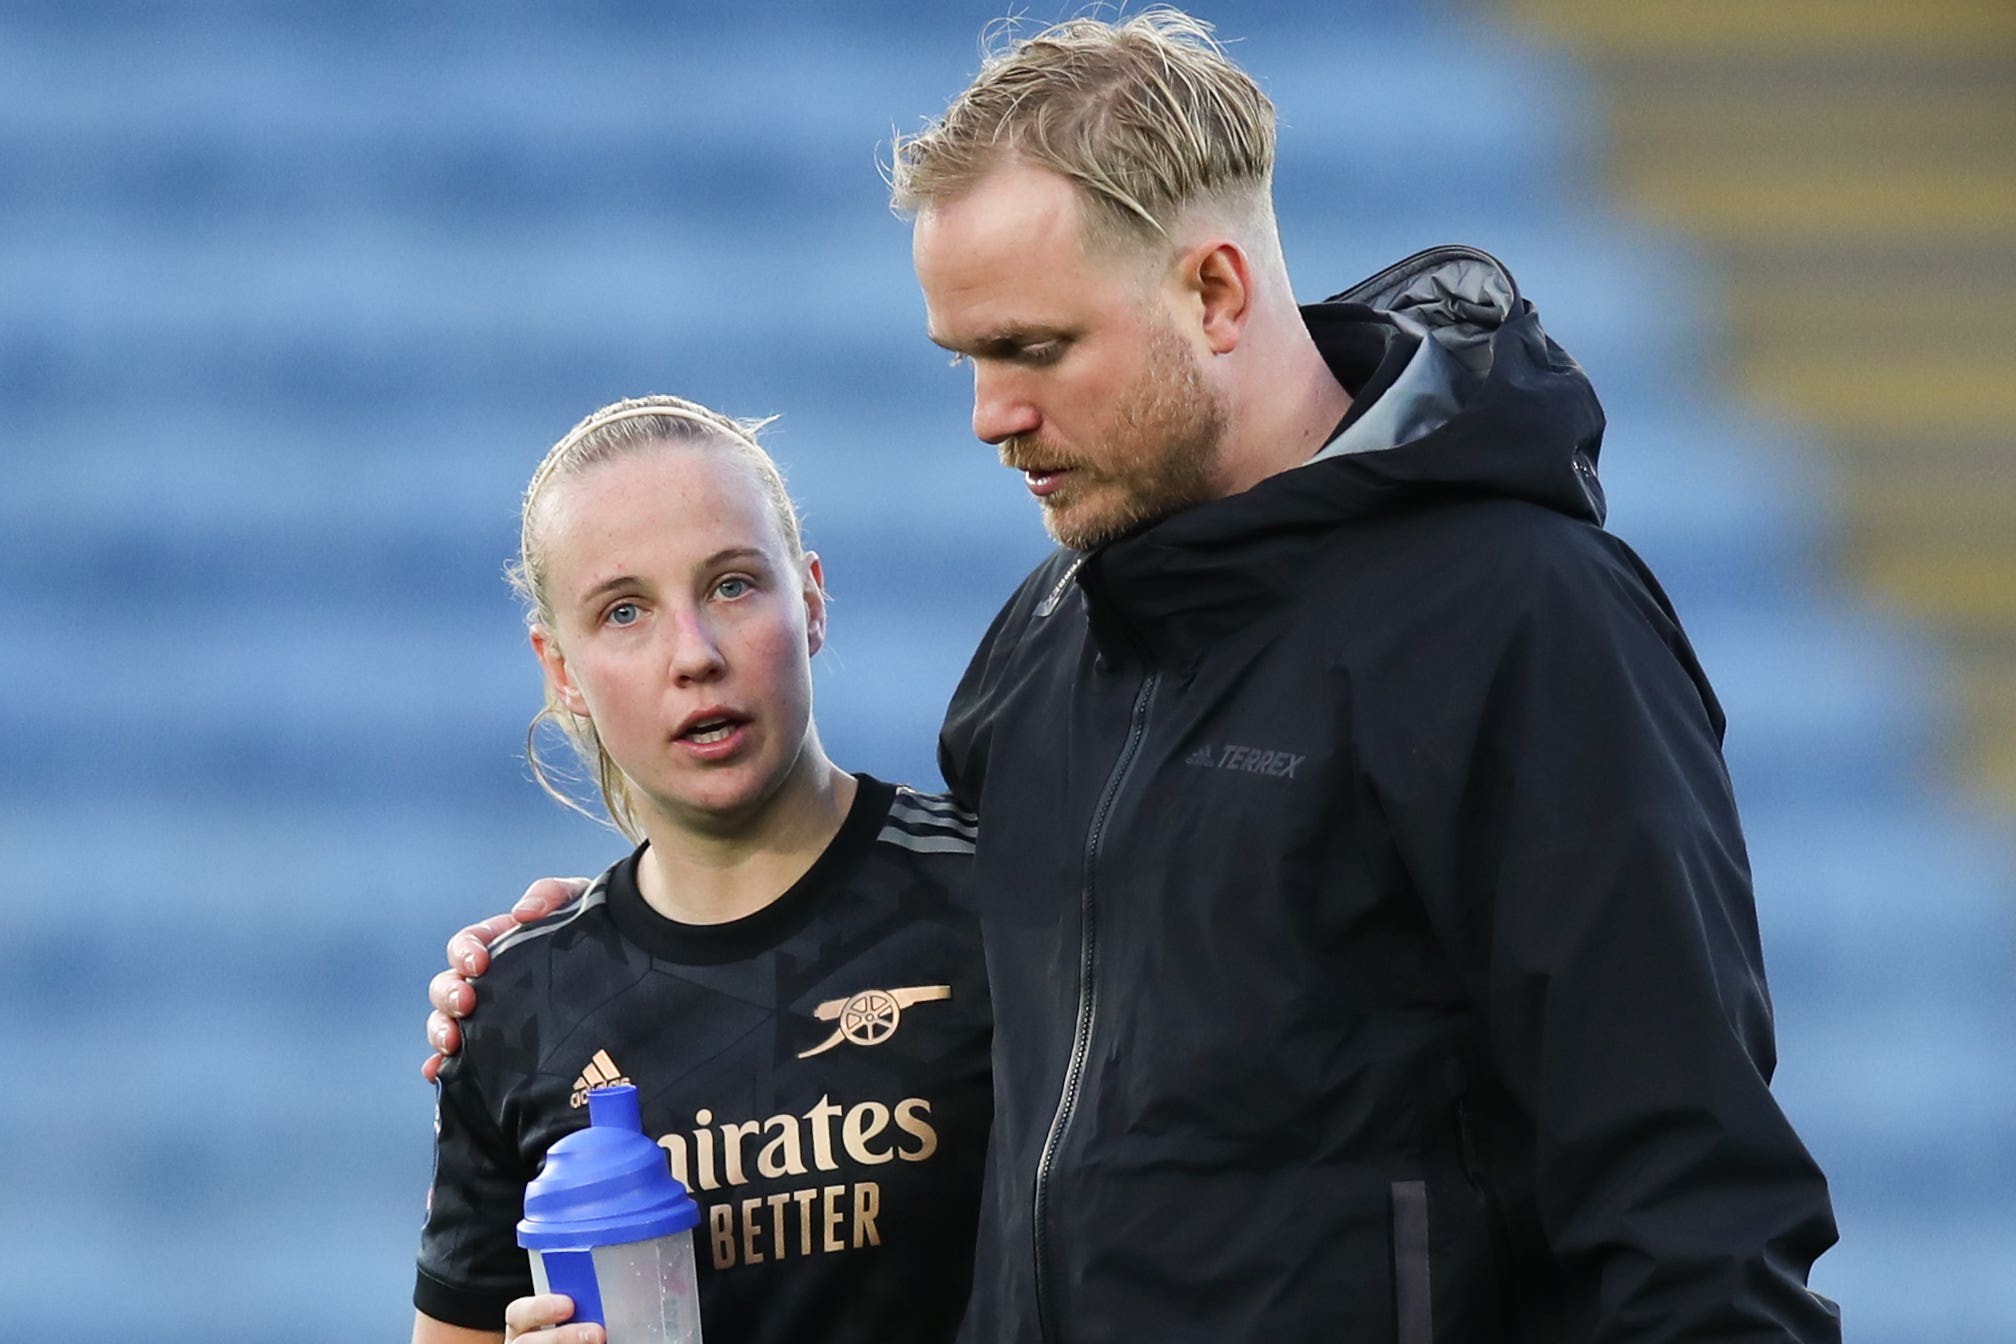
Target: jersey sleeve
[470,1265]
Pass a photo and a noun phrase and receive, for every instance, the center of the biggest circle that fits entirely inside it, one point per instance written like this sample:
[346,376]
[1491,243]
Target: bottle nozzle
[615,1107]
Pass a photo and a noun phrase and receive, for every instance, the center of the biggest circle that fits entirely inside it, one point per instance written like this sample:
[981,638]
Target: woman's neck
[710,876]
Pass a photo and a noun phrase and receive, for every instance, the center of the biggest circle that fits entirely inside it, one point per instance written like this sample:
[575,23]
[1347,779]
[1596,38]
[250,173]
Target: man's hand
[469,956]
[528,1317]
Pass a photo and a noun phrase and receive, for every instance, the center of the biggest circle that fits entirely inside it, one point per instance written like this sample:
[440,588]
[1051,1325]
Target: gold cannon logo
[870,1017]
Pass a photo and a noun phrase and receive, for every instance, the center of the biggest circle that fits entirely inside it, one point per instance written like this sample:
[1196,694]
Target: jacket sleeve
[1554,781]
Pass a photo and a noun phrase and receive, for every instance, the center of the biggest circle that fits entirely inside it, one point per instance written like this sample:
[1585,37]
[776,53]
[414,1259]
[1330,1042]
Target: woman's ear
[554,663]
[815,604]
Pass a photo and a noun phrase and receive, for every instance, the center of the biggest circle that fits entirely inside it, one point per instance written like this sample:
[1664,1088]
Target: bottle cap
[605,1184]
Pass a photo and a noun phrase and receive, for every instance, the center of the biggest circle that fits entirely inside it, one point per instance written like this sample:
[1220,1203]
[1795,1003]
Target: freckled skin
[673,591]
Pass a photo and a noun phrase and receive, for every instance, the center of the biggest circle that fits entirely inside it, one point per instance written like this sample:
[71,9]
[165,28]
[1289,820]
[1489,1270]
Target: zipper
[1497,1231]
[1081,1040]
[1466,1146]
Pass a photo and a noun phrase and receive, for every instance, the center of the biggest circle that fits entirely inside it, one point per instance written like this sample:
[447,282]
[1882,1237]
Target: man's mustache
[1020,454]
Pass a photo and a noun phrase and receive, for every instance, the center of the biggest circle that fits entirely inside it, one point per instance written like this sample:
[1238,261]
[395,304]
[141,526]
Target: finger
[431,1070]
[531,1313]
[451,995]
[468,951]
[546,895]
[443,1033]
[585,1333]
[467,955]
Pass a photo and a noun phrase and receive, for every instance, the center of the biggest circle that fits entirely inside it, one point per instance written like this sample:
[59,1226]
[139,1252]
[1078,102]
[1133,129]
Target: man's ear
[554,663]
[815,604]
[1219,276]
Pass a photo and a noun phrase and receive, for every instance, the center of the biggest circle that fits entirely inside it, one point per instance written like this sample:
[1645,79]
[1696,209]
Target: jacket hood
[1484,401]
[1455,389]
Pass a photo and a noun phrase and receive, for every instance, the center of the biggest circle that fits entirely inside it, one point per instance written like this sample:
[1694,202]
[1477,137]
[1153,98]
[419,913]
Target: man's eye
[624,613]
[1045,353]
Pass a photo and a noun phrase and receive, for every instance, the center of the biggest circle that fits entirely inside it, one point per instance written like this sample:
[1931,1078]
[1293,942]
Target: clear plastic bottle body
[647,1289]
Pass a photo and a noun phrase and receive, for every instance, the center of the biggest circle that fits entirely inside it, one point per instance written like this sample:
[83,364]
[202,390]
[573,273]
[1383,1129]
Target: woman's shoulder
[919,849]
[523,960]
[927,823]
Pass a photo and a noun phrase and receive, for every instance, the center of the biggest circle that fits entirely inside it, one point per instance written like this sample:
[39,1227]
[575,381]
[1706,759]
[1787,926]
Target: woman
[778,966]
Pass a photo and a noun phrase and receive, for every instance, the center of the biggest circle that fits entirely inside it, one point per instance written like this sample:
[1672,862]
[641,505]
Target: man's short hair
[1147,115]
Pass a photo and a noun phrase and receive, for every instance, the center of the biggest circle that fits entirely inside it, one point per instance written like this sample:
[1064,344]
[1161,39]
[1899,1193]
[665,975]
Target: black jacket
[1368,920]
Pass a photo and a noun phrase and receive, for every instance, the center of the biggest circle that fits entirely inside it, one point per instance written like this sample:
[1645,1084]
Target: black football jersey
[817,1073]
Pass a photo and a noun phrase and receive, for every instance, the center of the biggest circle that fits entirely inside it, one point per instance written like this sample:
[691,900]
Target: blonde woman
[779,966]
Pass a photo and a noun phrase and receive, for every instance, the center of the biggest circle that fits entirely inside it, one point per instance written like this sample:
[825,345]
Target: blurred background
[292,300]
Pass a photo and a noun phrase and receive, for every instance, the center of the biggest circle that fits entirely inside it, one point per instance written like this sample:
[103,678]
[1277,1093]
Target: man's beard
[1161,452]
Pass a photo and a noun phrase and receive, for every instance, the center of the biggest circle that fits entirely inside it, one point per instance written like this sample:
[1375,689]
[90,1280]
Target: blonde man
[1371,940]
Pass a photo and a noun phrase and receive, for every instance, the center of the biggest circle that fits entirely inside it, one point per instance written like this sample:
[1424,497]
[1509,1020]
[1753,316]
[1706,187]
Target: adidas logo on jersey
[601,1072]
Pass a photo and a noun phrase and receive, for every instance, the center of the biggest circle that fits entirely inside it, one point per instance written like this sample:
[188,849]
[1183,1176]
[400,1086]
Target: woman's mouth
[712,733]
[709,730]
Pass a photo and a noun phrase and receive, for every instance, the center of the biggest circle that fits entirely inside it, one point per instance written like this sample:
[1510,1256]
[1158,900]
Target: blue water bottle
[607,1224]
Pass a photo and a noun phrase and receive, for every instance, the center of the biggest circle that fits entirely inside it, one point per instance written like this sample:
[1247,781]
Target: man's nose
[1001,405]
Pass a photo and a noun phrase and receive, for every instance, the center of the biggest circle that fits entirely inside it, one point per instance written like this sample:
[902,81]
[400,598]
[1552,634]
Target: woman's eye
[624,613]
[733,588]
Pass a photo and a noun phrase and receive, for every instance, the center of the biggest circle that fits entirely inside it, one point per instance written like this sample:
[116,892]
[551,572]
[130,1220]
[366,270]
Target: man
[1366,913]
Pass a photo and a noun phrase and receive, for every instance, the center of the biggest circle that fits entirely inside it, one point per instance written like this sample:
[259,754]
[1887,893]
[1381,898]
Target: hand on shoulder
[451,993]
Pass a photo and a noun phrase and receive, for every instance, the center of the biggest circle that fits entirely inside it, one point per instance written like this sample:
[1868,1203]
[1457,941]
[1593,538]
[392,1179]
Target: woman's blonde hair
[1148,116]
[619,430]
